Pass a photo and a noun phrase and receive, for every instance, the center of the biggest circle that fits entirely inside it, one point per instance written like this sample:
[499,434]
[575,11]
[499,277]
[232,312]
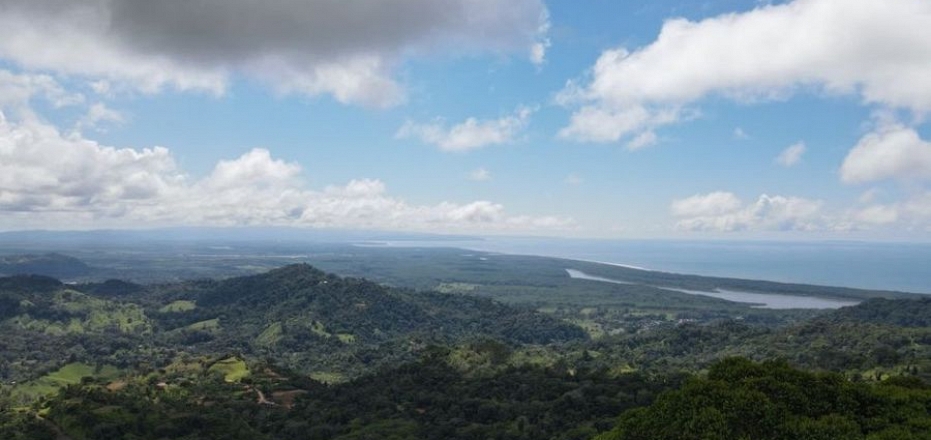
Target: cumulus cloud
[480,175]
[724,212]
[876,49]
[891,151]
[53,180]
[791,155]
[43,170]
[470,134]
[348,49]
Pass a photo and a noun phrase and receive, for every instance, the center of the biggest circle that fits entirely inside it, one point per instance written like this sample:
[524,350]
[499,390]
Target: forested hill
[301,317]
[52,264]
[902,313]
[307,302]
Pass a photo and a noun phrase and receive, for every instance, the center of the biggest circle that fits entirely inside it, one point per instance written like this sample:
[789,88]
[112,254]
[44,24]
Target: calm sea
[887,266]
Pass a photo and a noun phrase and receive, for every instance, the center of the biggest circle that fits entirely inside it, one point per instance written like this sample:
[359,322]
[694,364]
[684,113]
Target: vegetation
[739,399]
[446,345]
[52,265]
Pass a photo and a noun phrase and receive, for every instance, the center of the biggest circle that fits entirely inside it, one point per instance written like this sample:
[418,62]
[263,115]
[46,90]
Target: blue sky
[726,119]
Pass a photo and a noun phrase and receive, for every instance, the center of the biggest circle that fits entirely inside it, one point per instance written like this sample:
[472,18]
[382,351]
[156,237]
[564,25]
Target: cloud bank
[348,49]
[725,212]
[49,179]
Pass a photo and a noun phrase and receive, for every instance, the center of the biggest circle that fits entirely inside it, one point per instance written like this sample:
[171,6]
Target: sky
[735,119]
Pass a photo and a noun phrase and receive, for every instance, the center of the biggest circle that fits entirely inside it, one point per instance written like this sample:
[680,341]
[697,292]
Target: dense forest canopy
[299,353]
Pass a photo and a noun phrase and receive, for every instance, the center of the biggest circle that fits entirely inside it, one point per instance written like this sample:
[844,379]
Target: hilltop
[303,318]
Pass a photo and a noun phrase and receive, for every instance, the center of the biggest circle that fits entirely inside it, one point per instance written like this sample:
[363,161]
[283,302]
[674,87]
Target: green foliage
[739,399]
[910,313]
[52,265]
[510,371]
[70,374]
[18,425]
[431,400]
[270,336]
[315,322]
[232,369]
[178,306]
[69,311]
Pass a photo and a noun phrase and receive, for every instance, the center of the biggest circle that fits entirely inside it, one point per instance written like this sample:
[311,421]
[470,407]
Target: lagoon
[758,300]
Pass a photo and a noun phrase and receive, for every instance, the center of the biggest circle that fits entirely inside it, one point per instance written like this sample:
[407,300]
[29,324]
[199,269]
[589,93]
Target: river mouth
[756,300]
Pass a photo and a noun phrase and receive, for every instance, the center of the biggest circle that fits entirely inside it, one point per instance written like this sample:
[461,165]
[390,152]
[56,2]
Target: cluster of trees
[429,399]
[870,341]
[740,399]
[426,399]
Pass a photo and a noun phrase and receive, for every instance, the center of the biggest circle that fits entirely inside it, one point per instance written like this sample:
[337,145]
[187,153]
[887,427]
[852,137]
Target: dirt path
[262,400]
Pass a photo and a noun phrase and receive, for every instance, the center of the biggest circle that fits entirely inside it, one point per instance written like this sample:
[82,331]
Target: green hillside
[298,353]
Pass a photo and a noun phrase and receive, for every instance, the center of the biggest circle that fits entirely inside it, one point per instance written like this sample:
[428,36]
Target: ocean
[884,266]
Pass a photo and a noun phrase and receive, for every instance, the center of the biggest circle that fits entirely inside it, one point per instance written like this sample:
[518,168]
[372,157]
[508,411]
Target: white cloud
[911,214]
[538,52]
[740,134]
[891,151]
[791,155]
[99,113]
[43,170]
[643,140]
[54,180]
[595,124]
[255,169]
[877,49]
[710,204]
[18,90]
[348,49]
[870,195]
[724,212]
[480,175]
[877,215]
[539,48]
[470,134]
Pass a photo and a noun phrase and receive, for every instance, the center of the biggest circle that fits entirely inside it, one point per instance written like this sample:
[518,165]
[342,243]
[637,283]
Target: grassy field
[178,306]
[208,325]
[233,369]
[327,377]
[69,374]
